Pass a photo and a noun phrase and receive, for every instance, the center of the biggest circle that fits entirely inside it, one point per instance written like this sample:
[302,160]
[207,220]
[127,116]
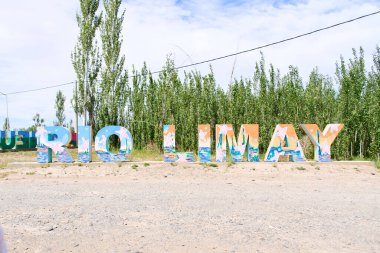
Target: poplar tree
[6,124]
[352,80]
[372,98]
[87,61]
[37,122]
[266,98]
[60,108]
[114,78]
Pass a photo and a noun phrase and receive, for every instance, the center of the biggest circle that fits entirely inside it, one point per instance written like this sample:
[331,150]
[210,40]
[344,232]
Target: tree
[38,121]
[266,99]
[114,78]
[372,100]
[352,81]
[86,60]
[6,126]
[71,126]
[60,109]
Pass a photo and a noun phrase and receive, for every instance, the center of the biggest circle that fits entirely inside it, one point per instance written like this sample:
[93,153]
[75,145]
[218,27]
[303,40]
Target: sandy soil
[305,207]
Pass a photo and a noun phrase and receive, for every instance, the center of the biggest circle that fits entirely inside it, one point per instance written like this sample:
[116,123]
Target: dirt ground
[157,207]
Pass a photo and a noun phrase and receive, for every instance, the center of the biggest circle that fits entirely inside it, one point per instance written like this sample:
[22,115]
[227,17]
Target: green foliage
[377,164]
[37,122]
[6,124]
[268,98]
[60,108]
[113,88]
[144,103]
[86,60]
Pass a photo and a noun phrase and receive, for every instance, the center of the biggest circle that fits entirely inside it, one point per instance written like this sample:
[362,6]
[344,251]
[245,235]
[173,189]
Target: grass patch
[173,164]
[31,173]
[149,154]
[134,167]
[208,165]
[301,168]
[230,164]
[317,168]
[205,165]
[6,174]
[119,164]
[274,165]
[146,164]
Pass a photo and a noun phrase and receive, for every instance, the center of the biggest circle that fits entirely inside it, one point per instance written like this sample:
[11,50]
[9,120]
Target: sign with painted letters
[54,140]
[24,140]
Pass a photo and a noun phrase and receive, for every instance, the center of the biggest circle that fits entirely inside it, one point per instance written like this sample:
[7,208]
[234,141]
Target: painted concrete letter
[248,137]
[17,140]
[170,155]
[22,140]
[84,144]
[322,140]
[7,140]
[204,143]
[284,142]
[102,147]
[53,138]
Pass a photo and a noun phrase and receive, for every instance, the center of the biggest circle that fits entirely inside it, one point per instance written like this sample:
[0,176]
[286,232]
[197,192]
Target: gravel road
[331,207]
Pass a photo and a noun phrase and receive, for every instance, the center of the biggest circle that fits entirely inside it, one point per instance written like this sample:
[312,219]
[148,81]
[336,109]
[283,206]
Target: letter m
[248,137]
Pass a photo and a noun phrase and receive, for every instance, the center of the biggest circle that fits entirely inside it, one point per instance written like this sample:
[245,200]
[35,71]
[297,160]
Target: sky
[37,38]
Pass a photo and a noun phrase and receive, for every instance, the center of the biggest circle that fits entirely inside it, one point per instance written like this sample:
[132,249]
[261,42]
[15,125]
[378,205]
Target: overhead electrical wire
[277,42]
[43,88]
[228,55]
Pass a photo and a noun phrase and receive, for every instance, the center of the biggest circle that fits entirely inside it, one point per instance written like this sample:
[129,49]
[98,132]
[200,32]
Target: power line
[228,55]
[43,88]
[278,42]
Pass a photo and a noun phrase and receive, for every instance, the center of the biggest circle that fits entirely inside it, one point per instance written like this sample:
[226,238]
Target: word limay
[52,139]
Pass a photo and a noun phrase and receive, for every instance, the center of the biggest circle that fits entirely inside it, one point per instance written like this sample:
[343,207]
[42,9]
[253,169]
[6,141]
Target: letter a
[284,142]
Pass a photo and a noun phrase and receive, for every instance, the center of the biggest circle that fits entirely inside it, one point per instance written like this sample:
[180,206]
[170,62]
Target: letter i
[84,144]
[204,143]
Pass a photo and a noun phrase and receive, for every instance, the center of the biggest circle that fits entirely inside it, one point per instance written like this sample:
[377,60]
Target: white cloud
[37,37]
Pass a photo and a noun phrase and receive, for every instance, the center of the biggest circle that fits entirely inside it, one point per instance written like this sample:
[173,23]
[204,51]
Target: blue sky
[37,37]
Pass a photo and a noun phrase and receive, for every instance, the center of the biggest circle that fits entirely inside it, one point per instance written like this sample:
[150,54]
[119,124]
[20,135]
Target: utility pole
[86,88]
[6,101]
[76,107]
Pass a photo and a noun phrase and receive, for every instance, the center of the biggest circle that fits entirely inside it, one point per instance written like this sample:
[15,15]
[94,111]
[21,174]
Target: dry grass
[30,156]
[377,164]
[146,155]
[6,174]
[23,156]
